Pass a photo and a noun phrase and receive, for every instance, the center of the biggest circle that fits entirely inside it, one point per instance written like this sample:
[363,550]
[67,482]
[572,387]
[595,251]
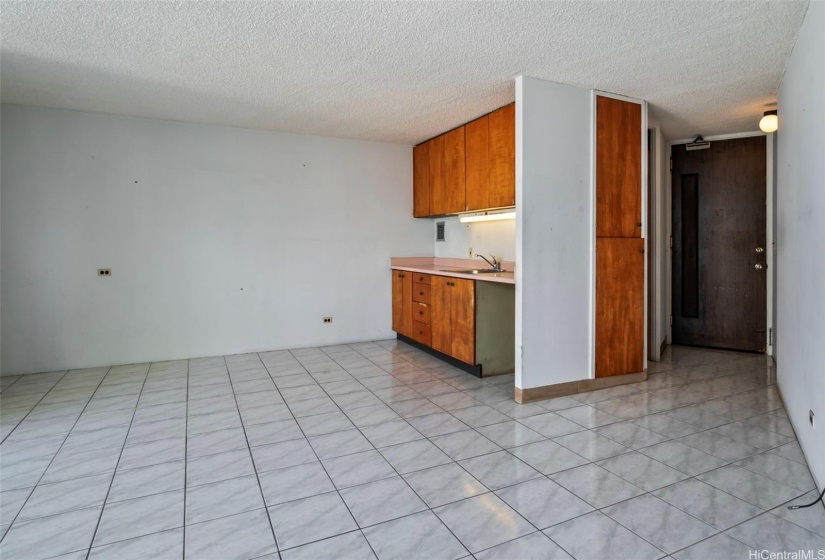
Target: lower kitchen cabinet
[466,320]
[402,302]
[453,317]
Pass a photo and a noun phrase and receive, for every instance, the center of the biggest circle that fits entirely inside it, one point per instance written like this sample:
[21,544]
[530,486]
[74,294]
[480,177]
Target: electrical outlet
[104,271]
[327,319]
[812,418]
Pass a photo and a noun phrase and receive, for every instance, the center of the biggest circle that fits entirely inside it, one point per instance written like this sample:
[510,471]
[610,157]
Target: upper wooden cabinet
[447,175]
[502,153]
[467,169]
[618,168]
[477,157]
[421,180]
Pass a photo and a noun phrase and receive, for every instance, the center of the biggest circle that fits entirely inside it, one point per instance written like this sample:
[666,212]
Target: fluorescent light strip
[488,217]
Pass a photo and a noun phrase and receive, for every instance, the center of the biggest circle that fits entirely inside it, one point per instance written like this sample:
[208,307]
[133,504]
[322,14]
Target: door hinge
[770,337]
[671,242]
[671,320]
[671,164]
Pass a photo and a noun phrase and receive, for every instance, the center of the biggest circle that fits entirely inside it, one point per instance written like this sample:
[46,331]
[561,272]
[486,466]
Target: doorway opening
[719,256]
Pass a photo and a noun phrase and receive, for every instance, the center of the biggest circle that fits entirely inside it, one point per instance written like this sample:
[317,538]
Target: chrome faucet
[495,265]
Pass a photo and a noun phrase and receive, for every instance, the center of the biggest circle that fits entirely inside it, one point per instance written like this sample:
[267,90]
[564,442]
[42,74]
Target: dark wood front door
[719,258]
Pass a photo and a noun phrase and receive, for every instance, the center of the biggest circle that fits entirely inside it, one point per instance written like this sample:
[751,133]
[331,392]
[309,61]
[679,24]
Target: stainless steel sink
[475,271]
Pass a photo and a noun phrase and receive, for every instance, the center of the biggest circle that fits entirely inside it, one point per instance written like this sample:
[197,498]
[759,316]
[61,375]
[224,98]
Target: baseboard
[523,396]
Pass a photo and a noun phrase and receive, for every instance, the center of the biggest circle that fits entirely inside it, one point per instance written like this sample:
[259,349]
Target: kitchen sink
[475,271]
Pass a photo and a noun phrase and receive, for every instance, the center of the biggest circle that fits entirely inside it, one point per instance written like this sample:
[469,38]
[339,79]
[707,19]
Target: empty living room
[412,280]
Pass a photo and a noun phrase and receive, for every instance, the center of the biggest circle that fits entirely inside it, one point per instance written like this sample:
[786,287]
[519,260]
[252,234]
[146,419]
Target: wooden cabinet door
[437,181]
[502,149]
[477,158]
[463,320]
[620,304]
[447,169]
[618,168]
[441,314]
[402,302]
[455,170]
[421,180]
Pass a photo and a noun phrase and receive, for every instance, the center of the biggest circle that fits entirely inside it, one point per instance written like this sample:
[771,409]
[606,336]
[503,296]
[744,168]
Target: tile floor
[378,449]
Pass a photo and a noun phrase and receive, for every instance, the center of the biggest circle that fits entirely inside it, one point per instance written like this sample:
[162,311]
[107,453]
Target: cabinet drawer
[421,333]
[421,292]
[421,278]
[421,313]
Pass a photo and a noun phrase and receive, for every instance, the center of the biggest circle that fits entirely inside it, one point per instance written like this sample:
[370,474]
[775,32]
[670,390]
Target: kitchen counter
[449,267]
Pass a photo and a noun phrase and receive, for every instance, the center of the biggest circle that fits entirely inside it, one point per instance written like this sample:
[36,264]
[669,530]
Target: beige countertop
[449,267]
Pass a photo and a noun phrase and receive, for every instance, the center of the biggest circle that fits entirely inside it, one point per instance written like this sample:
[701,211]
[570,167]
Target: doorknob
[760,266]
[760,250]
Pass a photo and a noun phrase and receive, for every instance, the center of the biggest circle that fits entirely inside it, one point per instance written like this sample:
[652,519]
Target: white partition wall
[554,233]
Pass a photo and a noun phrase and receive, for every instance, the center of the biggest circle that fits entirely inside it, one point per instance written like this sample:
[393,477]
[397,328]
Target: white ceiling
[392,71]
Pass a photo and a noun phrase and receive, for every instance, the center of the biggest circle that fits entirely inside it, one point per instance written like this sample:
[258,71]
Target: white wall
[484,238]
[221,240]
[554,233]
[801,237]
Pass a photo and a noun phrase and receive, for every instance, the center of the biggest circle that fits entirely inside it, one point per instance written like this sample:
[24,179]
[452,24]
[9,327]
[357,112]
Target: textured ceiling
[392,71]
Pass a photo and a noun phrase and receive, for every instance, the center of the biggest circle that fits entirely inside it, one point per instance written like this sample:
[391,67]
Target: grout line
[36,484]
[336,490]
[114,472]
[249,450]
[41,399]
[185,456]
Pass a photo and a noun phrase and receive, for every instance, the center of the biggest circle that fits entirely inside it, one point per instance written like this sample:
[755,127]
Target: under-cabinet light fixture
[487,217]
[769,122]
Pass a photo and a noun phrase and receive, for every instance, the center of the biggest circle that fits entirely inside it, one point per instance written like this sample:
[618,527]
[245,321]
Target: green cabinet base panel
[495,327]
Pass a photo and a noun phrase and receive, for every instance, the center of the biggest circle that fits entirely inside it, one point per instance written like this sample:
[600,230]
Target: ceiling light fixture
[769,122]
[487,217]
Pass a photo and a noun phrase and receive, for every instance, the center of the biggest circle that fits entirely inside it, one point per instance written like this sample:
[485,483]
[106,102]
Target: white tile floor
[378,449]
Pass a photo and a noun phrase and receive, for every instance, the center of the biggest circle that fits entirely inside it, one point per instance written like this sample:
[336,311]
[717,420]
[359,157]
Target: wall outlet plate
[104,271]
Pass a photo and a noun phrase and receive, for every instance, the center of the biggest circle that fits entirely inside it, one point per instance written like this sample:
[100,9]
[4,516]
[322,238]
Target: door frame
[657,242]
[769,237]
